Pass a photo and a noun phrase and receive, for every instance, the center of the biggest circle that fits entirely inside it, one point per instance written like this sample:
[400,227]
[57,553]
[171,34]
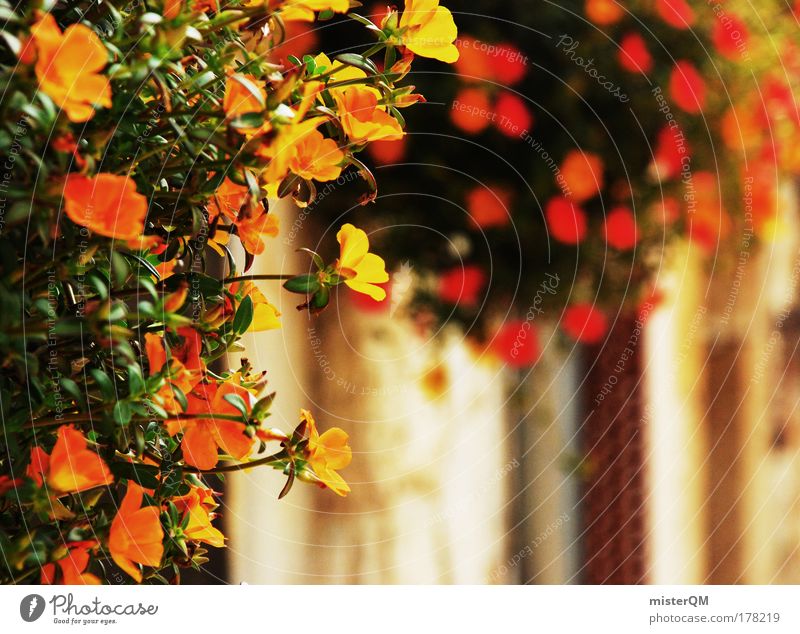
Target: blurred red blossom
[582,173]
[462,285]
[585,323]
[634,55]
[620,228]
[512,115]
[676,13]
[489,206]
[565,220]
[516,343]
[730,36]
[687,88]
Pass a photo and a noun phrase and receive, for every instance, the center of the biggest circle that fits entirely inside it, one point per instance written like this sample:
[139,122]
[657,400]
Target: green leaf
[262,407]
[145,475]
[135,381]
[122,413]
[238,402]
[305,284]
[104,383]
[358,61]
[244,316]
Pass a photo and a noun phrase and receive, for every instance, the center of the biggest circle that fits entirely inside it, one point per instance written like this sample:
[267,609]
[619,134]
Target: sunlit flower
[317,158]
[280,147]
[304,10]
[198,506]
[244,94]
[68,65]
[252,231]
[584,322]
[327,454]
[582,173]
[180,376]
[136,535]
[362,118]
[228,200]
[70,467]
[265,315]
[429,30]
[202,437]
[360,269]
[566,222]
[72,567]
[107,204]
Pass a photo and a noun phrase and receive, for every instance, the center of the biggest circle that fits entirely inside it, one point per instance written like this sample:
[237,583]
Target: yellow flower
[429,30]
[327,454]
[360,269]
[280,149]
[68,66]
[363,119]
[199,505]
[252,230]
[265,315]
[316,157]
[303,10]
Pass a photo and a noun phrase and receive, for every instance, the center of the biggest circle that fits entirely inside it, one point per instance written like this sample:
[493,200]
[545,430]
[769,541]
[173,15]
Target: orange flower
[566,222]
[582,173]
[280,149]
[360,269]
[362,119]
[252,230]
[327,454]
[68,66]
[489,206]
[71,467]
[228,200]
[243,94]
[198,505]
[429,30]
[136,534]
[317,158]
[180,376]
[72,566]
[107,204]
[203,436]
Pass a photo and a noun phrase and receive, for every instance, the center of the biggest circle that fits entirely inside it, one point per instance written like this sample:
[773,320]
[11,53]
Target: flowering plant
[140,141]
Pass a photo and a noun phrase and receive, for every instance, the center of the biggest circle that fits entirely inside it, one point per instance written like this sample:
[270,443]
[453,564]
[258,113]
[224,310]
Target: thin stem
[250,278]
[243,465]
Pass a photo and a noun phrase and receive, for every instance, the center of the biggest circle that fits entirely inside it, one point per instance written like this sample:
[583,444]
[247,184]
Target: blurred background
[586,369]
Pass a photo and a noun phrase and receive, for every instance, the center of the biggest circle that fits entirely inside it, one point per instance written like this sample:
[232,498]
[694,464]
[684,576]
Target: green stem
[243,465]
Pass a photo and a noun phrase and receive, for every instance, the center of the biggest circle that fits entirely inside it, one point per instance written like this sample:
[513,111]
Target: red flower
[517,344]
[730,36]
[471,110]
[633,54]
[687,88]
[489,206]
[512,116]
[585,323]
[510,65]
[565,220]
[620,229]
[676,13]
[462,285]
